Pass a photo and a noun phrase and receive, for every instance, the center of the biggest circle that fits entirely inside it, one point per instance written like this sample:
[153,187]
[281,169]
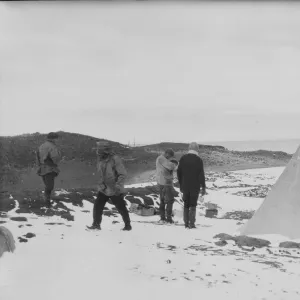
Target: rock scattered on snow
[238,215]
[221,243]
[257,192]
[29,235]
[242,240]
[67,216]
[251,242]
[223,236]
[19,219]
[22,240]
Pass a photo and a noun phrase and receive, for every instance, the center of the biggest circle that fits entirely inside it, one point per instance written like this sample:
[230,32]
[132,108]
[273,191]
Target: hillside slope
[18,171]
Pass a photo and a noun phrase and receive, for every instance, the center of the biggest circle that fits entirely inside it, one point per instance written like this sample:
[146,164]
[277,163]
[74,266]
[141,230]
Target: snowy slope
[64,261]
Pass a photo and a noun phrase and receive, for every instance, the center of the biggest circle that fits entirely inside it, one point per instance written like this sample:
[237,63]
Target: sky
[150,71]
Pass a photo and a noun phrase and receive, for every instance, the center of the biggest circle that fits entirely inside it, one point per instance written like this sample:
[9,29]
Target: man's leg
[162,205]
[98,210]
[120,204]
[169,198]
[192,211]
[49,186]
[186,208]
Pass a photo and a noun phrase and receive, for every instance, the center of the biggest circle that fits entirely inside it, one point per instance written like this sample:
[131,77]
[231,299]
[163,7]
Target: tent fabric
[280,211]
[7,242]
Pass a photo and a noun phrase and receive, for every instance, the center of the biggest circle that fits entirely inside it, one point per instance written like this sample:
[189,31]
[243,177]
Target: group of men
[191,179]
[111,178]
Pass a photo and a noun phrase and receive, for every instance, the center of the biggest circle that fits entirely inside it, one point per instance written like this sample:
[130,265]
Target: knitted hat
[52,136]
[104,145]
[170,152]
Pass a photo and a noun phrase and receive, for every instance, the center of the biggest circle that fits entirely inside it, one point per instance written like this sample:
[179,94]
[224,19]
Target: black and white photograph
[150,150]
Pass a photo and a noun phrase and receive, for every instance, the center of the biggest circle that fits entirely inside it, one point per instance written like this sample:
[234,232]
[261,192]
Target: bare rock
[22,240]
[223,237]
[19,219]
[29,235]
[242,241]
[67,216]
[245,241]
[221,243]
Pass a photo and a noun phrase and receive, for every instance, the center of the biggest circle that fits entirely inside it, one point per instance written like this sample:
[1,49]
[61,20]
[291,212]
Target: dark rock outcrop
[289,245]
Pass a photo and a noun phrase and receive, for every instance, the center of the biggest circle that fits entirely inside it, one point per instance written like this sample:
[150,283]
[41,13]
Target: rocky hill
[17,160]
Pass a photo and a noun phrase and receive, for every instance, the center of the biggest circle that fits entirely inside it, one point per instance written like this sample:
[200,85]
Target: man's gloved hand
[101,187]
[203,192]
[118,190]
[174,161]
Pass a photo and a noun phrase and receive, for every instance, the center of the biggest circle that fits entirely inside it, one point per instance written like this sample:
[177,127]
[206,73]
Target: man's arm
[55,155]
[202,177]
[179,172]
[121,171]
[167,164]
[37,155]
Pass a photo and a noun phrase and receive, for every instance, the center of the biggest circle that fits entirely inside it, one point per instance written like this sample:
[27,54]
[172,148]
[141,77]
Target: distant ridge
[285,145]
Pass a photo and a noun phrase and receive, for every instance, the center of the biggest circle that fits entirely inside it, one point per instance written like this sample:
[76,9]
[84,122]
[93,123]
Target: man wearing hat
[165,166]
[48,157]
[111,176]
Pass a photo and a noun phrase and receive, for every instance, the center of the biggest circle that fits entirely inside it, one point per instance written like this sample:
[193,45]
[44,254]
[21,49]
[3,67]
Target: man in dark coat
[111,176]
[48,157]
[191,178]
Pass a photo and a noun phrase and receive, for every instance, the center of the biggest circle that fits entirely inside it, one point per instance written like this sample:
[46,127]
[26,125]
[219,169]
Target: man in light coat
[111,176]
[48,157]
[165,166]
[191,178]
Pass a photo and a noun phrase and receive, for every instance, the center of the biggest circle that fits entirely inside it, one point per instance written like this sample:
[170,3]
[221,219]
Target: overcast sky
[170,71]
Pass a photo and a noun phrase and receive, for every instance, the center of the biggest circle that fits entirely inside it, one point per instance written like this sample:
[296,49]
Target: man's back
[48,152]
[48,157]
[190,173]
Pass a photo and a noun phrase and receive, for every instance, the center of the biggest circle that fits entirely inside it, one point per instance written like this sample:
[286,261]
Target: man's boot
[186,217]
[127,227]
[47,200]
[170,220]
[170,212]
[126,219]
[162,213]
[94,226]
[192,216]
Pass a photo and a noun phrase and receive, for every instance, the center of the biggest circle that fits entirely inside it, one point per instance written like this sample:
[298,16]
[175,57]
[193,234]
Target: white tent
[7,242]
[280,211]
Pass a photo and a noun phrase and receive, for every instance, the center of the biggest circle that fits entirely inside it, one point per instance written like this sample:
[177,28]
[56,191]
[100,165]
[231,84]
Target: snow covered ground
[64,261]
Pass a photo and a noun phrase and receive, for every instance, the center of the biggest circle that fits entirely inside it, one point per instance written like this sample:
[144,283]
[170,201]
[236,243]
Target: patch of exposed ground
[238,215]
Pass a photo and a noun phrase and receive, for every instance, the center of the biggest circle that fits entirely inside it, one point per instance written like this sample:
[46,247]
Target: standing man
[191,178]
[111,175]
[165,166]
[48,157]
